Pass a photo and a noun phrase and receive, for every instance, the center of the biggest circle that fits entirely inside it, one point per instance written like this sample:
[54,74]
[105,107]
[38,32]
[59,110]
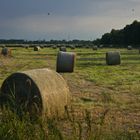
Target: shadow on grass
[90,59]
[131,58]
[88,64]
[130,53]
[89,53]
[46,54]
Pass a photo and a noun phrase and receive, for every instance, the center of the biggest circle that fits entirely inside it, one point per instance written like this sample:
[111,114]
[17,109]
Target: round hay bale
[32,45]
[78,46]
[72,47]
[58,45]
[100,46]
[129,47]
[5,51]
[42,46]
[36,48]
[63,49]
[26,46]
[87,47]
[65,62]
[2,45]
[113,58]
[38,91]
[95,48]
[49,45]
[54,47]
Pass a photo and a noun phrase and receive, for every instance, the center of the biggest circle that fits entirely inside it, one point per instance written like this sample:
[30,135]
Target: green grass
[105,103]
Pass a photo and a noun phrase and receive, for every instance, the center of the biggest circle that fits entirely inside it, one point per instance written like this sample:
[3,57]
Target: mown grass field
[105,99]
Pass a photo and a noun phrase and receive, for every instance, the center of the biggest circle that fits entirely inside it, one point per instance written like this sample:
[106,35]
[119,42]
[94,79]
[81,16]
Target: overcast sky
[64,19]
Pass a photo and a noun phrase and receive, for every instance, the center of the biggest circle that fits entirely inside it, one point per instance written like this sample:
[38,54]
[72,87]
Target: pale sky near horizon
[64,19]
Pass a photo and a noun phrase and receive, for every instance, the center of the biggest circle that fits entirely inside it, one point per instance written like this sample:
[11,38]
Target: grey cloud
[80,18]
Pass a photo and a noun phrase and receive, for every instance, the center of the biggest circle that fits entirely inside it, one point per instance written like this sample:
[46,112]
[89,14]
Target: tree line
[129,35]
[21,41]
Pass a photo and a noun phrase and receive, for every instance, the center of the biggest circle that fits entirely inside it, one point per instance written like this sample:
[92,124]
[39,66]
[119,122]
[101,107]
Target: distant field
[110,93]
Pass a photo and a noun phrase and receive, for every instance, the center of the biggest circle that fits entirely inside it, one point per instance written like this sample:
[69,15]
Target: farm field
[105,99]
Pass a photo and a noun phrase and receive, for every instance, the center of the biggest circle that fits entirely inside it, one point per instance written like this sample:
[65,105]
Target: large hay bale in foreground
[36,48]
[63,49]
[65,62]
[40,91]
[113,58]
[6,51]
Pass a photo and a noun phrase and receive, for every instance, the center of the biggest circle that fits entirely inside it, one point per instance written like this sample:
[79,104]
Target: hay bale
[72,47]
[5,51]
[58,45]
[49,45]
[65,62]
[87,46]
[54,47]
[78,46]
[63,49]
[100,46]
[95,48]
[32,45]
[40,91]
[36,48]
[129,47]
[2,45]
[42,46]
[113,58]
[26,46]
